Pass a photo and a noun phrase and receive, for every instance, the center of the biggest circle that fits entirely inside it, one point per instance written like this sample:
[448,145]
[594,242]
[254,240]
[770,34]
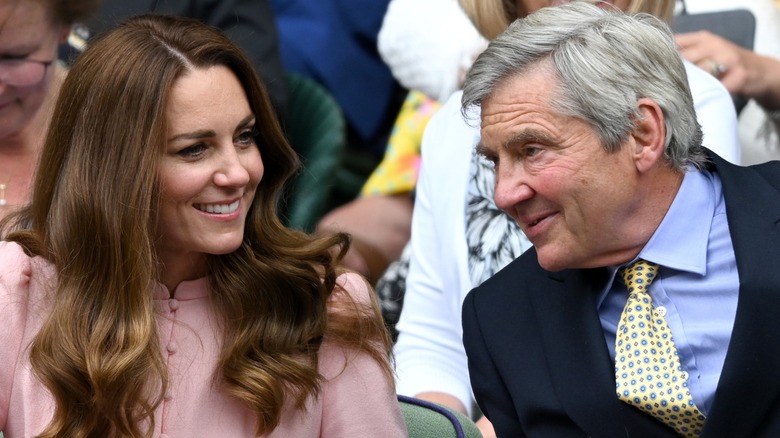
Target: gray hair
[605,61]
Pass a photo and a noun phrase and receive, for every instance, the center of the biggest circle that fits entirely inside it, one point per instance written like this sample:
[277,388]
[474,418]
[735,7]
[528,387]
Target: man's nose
[512,188]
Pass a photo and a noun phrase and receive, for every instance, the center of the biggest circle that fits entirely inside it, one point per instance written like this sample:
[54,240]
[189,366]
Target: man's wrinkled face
[553,176]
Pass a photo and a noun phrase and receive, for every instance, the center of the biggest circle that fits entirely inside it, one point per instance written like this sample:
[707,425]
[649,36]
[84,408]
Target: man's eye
[530,151]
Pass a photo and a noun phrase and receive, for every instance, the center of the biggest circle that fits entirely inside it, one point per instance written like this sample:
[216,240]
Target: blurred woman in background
[30,76]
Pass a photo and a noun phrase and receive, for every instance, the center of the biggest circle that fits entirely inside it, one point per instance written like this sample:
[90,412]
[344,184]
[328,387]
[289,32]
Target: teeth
[218,208]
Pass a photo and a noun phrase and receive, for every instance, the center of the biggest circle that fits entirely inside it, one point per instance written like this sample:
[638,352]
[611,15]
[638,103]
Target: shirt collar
[186,290]
[680,242]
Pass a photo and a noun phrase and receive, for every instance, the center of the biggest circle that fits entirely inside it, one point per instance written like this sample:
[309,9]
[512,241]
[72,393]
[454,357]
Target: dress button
[661,310]
[165,435]
[168,395]
[172,347]
[173,304]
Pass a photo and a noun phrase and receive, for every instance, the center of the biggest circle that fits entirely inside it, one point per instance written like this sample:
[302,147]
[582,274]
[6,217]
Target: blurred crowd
[402,177]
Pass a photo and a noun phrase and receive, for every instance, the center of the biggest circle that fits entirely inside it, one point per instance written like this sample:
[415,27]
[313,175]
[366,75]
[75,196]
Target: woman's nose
[232,172]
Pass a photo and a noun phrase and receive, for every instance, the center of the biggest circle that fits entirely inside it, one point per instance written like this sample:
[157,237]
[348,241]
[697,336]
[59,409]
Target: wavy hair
[93,214]
[491,17]
[604,62]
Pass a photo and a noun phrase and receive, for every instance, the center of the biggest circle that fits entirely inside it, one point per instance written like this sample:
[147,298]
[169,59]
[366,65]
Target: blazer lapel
[750,383]
[574,344]
[579,362]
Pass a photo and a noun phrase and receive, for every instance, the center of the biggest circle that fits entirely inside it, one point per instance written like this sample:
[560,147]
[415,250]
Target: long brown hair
[93,215]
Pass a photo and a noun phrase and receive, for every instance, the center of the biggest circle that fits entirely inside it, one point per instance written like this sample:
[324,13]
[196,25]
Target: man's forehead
[534,86]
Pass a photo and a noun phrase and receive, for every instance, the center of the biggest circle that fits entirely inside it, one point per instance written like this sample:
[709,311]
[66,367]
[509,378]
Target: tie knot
[639,275]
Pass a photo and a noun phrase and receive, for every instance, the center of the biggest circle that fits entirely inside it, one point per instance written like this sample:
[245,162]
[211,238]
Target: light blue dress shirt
[697,283]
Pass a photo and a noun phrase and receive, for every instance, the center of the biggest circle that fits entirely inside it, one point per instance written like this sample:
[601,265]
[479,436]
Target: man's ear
[649,135]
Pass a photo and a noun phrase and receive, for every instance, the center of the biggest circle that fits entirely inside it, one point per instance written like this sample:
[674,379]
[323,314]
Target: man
[587,116]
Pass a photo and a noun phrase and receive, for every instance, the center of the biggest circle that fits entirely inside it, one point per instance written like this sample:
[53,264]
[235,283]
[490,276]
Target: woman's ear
[649,135]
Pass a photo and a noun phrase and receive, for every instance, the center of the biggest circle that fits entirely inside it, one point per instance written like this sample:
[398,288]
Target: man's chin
[551,262]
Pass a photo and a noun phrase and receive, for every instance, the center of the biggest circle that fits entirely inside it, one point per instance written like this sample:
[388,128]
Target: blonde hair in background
[491,17]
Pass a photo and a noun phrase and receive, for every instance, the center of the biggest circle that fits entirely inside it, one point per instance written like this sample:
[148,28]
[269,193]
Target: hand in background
[743,72]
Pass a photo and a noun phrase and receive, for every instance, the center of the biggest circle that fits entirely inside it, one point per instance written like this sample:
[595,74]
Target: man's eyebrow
[530,136]
[481,149]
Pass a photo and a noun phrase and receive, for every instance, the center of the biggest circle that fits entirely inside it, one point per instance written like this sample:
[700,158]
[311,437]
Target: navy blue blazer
[537,358]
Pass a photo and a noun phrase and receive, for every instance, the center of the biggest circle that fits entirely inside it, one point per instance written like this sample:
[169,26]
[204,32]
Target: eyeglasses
[22,72]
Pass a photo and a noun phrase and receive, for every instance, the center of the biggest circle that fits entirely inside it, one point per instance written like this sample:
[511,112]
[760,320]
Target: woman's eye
[193,151]
[247,137]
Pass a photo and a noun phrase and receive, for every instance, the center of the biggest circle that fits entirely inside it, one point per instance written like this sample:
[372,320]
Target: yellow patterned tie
[647,370]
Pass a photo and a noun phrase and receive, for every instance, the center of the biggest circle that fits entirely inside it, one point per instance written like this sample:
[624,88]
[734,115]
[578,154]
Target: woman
[153,224]
[30,32]
[752,75]
[461,238]
[493,16]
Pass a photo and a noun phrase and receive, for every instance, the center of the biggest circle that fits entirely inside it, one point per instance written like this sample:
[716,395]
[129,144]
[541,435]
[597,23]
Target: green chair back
[428,420]
[316,129]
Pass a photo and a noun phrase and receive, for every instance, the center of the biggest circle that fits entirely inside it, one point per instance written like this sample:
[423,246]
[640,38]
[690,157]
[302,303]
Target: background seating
[316,129]
[425,419]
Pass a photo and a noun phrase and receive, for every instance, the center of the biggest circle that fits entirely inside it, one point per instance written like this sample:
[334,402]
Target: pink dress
[356,399]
